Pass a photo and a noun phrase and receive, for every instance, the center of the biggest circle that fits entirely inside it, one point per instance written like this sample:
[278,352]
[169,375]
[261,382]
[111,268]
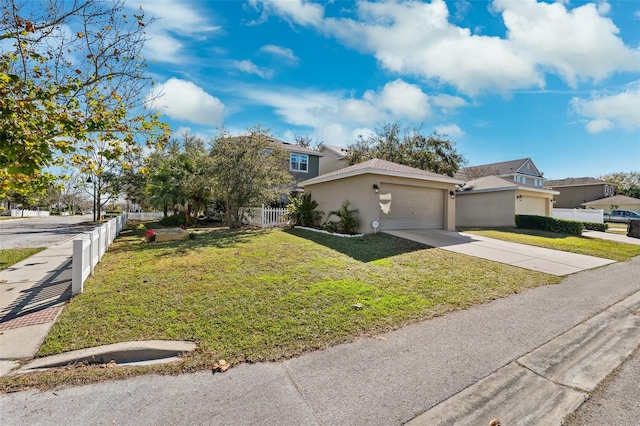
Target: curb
[550,382]
[121,353]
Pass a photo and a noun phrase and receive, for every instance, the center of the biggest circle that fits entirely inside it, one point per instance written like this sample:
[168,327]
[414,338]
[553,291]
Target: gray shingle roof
[616,200]
[495,183]
[502,168]
[574,182]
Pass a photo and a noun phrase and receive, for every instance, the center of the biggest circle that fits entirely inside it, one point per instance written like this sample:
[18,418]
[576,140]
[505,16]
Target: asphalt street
[41,231]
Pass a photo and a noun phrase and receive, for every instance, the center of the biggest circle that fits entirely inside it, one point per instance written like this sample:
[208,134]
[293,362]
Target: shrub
[173,220]
[302,211]
[593,226]
[543,223]
[348,221]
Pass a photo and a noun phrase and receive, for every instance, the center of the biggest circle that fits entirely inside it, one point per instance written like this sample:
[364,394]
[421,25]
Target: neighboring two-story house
[334,158]
[304,163]
[520,171]
[574,192]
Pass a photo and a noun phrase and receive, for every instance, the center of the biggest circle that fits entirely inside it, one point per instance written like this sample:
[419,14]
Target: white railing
[28,213]
[89,249]
[266,217]
[583,215]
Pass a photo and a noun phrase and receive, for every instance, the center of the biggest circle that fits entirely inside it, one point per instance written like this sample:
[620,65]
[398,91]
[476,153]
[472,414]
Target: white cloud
[299,11]
[405,100]
[576,44]
[282,53]
[610,111]
[250,68]
[449,130]
[448,103]
[175,20]
[417,38]
[185,101]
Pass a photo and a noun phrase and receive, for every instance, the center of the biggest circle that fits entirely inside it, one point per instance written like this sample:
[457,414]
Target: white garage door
[531,205]
[411,207]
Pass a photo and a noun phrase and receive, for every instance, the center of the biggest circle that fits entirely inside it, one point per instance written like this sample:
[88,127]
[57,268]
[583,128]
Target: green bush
[593,226]
[302,211]
[348,221]
[543,223]
[174,220]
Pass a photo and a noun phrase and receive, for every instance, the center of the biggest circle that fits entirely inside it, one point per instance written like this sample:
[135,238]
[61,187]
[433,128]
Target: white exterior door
[532,206]
[411,207]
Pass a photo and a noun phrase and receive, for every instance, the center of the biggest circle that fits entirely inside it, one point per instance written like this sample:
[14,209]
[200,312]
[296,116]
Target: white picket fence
[28,213]
[89,249]
[266,217]
[583,215]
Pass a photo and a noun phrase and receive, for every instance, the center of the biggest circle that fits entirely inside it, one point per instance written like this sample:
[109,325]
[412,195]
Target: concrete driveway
[540,259]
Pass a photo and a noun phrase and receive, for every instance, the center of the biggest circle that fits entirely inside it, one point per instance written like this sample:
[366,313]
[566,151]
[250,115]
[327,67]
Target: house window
[299,162]
[606,191]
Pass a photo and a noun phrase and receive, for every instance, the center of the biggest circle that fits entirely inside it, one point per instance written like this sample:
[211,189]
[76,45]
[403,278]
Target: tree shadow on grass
[365,249]
[214,237]
[534,232]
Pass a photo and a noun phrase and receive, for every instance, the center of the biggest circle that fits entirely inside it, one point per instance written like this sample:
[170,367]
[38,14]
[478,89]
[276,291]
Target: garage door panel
[411,207]
[531,206]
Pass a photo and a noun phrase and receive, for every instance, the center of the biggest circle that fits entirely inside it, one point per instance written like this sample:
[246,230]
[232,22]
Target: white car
[621,216]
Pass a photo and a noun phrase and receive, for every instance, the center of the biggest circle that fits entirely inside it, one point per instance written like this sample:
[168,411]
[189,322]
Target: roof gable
[383,167]
[337,150]
[503,168]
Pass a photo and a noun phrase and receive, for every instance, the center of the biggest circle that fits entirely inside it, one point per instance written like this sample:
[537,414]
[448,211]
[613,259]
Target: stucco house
[615,202]
[522,171]
[574,192]
[393,195]
[493,201]
[334,158]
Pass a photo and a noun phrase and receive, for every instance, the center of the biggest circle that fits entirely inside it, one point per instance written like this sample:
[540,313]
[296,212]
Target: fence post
[262,217]
[76,266]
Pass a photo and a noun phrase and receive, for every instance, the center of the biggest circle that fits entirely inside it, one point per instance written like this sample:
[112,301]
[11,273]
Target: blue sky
[555,81]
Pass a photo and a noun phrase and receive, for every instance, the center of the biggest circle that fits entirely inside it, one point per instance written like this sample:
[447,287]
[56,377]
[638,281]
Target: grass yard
[10,257]
[590,246]
[253,296]
[617,228]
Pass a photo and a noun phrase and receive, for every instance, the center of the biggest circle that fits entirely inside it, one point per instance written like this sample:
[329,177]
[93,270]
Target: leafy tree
[302,210]
[73,83]
[180,177]
[626,183]
[409,147]
[248,171]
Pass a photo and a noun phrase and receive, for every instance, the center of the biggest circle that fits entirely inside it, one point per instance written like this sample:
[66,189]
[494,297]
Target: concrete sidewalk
[32,293]
[621,238]
[539,259]
[485,356]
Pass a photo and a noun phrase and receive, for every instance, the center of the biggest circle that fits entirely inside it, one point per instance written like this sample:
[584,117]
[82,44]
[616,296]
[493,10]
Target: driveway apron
[529,257]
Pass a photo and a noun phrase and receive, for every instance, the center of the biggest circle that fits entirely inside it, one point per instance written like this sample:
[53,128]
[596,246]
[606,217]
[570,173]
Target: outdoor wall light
[519,197]
[452,194]
[552,201]
[376,188]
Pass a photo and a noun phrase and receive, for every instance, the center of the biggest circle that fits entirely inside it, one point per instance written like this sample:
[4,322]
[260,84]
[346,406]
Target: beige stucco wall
[331,162]
[485,209]
[359,191]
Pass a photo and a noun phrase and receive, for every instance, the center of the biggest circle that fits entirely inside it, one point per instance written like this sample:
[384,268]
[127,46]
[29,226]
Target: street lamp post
[89,180]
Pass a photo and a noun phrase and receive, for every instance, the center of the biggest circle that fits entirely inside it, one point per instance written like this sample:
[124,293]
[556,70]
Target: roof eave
[321,179]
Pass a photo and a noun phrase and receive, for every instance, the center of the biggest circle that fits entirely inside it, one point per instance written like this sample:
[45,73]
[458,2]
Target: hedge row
[592,226]
[543,223]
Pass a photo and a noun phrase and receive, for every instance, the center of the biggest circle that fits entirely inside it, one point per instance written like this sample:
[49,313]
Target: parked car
[621,216]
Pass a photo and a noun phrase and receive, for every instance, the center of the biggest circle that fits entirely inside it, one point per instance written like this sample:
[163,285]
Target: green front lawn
[253,296]
[10,257]
[590,246]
